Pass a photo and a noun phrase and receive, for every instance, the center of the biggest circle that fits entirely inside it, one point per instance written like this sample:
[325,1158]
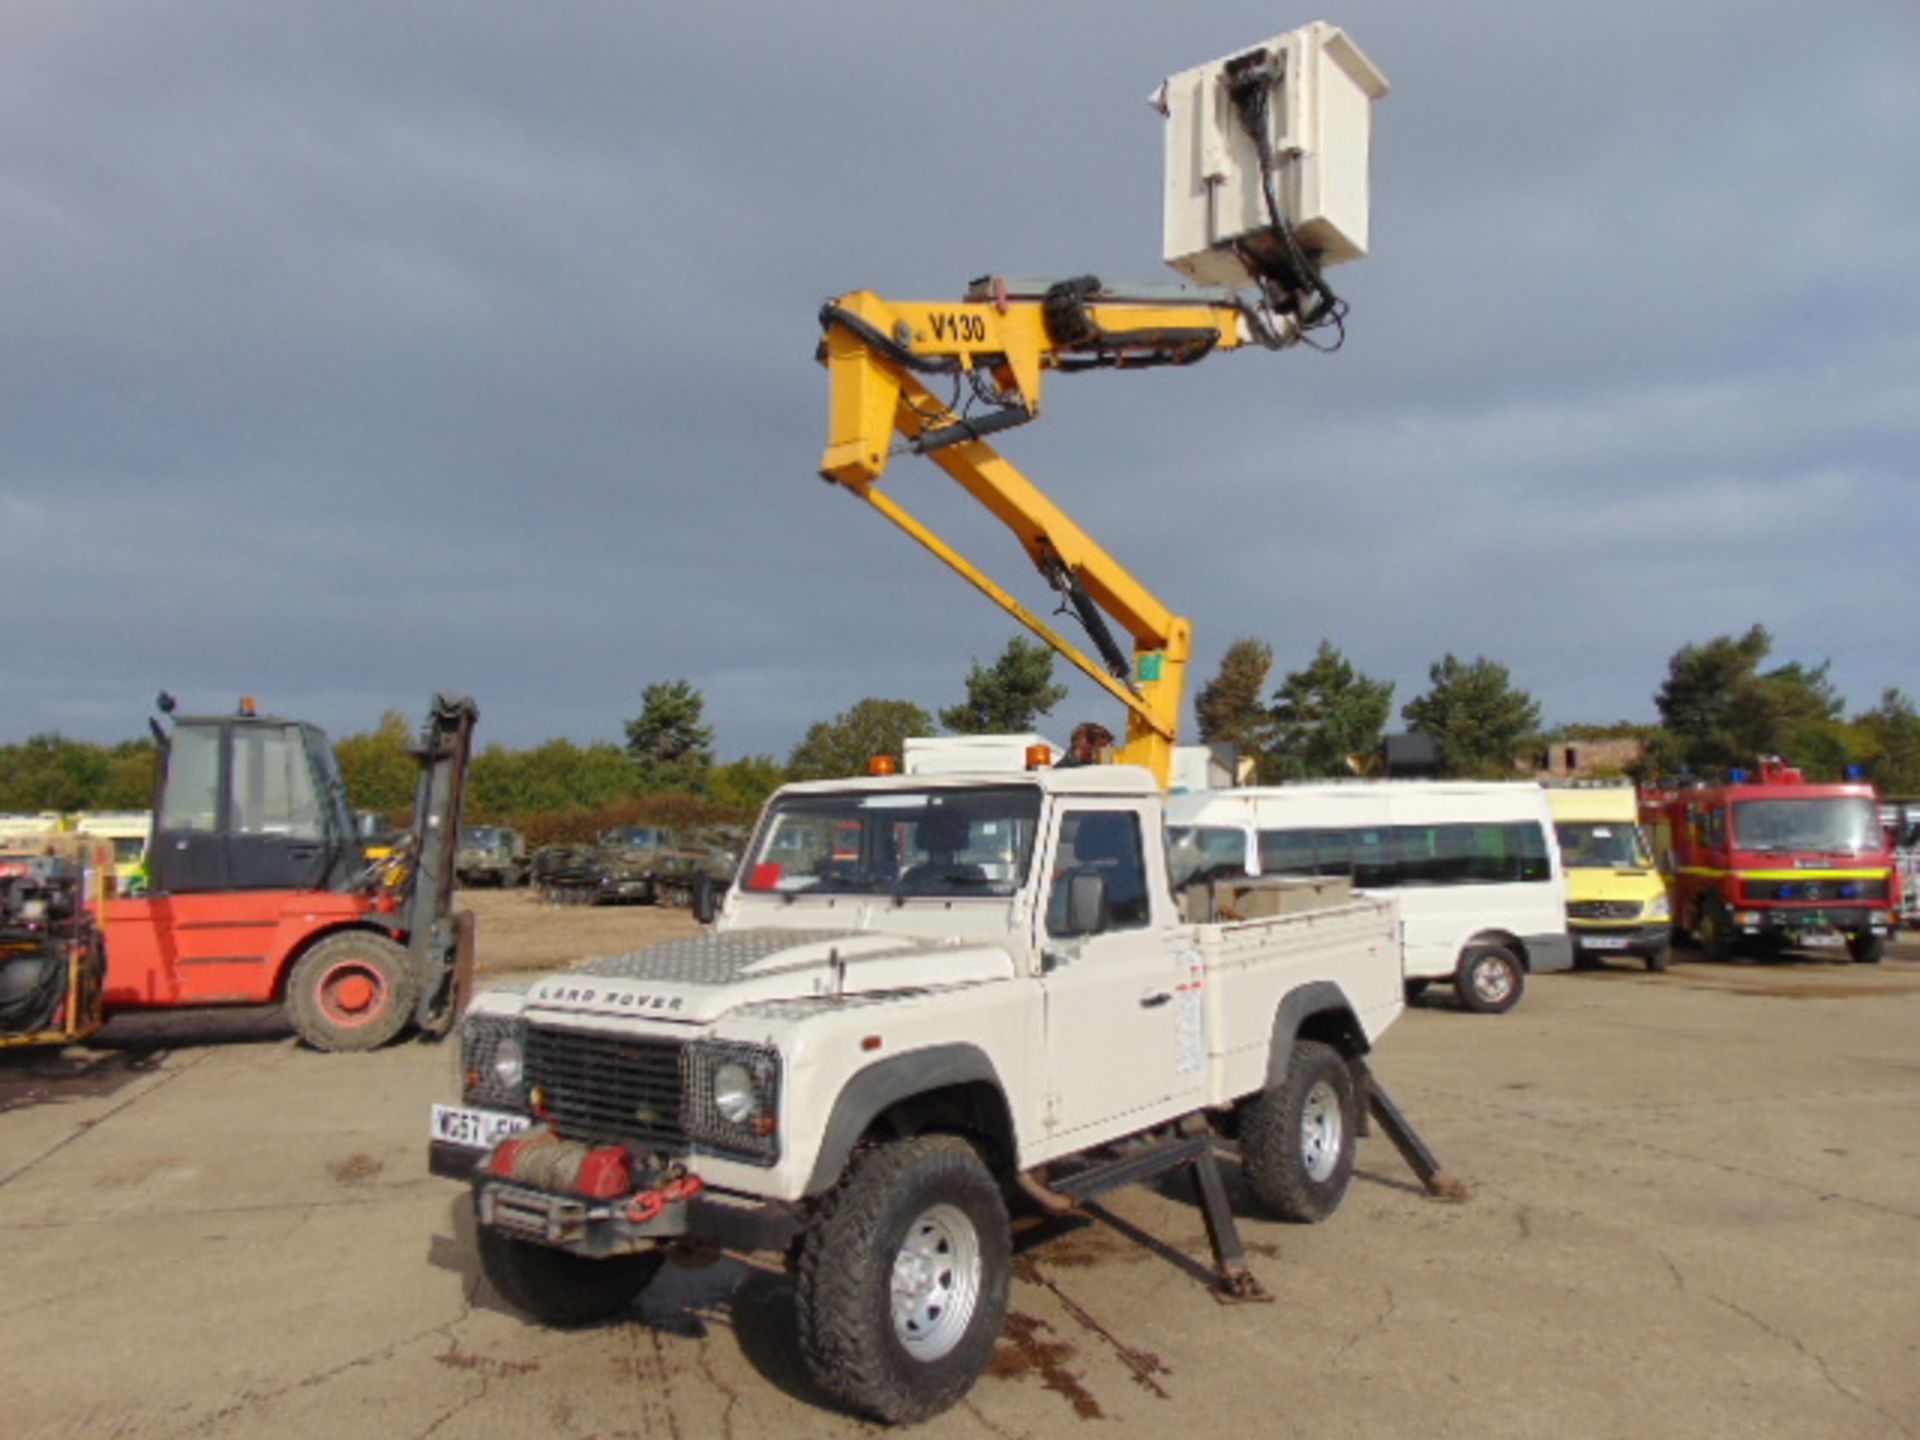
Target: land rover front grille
[607,1089]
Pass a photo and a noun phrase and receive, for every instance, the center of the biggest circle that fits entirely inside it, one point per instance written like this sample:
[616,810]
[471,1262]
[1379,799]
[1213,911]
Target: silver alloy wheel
[1322,1131]
[936,1282]
[1492,979]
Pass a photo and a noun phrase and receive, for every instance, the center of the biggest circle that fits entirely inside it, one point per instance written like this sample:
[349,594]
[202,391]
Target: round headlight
[733,1092]
[508,1064]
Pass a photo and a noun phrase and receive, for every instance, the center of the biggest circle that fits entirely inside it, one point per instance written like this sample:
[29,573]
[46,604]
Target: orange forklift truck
[259,893]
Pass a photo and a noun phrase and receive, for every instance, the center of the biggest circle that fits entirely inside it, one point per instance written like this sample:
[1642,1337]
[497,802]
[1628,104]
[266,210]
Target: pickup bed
[925,999]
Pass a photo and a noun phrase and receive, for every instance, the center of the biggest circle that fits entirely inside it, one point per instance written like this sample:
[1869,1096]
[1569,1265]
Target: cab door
[1123,1011]
[279,838]
[189,850]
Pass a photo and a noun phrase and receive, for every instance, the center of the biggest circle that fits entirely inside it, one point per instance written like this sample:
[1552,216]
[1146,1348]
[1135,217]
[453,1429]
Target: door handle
[1154,1002]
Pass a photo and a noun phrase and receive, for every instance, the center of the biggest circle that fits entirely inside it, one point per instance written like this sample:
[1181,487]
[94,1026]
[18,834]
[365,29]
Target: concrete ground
[1695,1212]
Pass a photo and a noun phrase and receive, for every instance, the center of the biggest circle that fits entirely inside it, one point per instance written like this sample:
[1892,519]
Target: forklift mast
[439,940]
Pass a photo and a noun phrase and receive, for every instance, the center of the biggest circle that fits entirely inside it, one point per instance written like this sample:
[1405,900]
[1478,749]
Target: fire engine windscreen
[1839,824]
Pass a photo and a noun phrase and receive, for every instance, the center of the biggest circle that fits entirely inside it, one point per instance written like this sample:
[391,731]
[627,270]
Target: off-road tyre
[560,1289]
[1297,1138]
[353,991]
[1489,980]
[903,1211]
[1866,949]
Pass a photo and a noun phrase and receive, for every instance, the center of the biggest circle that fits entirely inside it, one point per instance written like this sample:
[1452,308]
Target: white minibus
[1473,865]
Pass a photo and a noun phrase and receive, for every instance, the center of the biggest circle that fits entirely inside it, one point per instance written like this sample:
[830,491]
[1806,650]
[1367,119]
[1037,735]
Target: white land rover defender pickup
[925,998]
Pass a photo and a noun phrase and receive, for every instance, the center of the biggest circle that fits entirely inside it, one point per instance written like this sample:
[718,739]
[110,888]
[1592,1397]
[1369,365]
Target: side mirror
[1086,903]
[706,899]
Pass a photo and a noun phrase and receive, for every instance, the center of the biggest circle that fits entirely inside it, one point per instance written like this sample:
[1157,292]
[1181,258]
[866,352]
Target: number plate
[1603,942]
[477,1129]
[1823,940]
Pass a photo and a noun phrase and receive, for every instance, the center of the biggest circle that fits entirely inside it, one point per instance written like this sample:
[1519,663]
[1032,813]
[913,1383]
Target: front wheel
[903,1279]
[1489,980]
[1866,947]
[1659,958]
[560,1289]
[1714,932]
[1297,1138]
[352,991]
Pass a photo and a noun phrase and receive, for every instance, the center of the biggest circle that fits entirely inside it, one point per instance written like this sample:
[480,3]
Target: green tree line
[1721,703]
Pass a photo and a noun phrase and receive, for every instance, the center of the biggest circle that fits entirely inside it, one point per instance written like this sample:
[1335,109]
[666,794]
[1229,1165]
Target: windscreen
[952,843]
[1602,845]
[1846,823]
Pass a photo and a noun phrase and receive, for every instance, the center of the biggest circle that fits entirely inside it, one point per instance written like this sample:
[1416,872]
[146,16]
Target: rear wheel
[352,991]
[560,1289]
[1714,932]
[1297,1138]
[1489,980]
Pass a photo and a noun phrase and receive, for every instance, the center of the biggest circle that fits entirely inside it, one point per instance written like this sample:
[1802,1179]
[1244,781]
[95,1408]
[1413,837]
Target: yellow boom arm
[881,357]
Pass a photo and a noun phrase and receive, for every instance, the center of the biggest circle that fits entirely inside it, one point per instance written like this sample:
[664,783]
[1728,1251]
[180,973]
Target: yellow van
[1616,900]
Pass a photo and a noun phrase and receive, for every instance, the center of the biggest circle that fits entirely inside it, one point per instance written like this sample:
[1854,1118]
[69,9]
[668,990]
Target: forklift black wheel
[353,991]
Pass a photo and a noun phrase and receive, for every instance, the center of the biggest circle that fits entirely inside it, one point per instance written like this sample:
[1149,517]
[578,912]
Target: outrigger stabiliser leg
[1191,1146]
[1437,1183]
[1233,1281]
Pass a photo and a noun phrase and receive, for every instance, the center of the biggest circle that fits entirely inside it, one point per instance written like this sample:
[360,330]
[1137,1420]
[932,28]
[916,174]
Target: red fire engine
[1775,861]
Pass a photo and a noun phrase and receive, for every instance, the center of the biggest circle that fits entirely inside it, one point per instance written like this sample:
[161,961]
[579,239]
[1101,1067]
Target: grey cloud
[356,352]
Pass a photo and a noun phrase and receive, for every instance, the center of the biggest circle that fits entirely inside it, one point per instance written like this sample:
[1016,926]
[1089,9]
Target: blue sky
[354,352]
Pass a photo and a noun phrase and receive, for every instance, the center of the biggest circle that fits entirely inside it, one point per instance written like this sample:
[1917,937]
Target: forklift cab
[250,802]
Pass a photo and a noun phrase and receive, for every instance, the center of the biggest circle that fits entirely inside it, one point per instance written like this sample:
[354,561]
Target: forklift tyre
[560,1289]
[352,991]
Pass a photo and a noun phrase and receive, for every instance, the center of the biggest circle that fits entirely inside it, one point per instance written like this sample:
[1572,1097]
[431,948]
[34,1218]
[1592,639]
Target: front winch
[592,1200]
[542,1158]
